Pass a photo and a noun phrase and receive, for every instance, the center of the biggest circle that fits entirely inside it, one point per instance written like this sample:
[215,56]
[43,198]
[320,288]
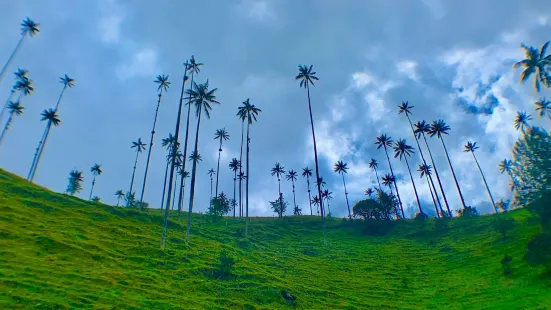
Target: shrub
[503,226]
[219,206]
[468,211]
[130,200]
[95,199]
[421,216]
[225,264]
[506,262]
[142,205]
[279,206]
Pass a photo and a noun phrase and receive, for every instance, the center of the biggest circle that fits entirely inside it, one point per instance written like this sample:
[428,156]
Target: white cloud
[112,16]
[142,64]
[259,11]
[408,68]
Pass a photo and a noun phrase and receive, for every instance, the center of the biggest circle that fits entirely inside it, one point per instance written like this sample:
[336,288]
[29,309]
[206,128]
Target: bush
[219,206]
[506,262]
[503,226]
[279,206]
[225,264]
[468,212]
[142,205]
[421,216]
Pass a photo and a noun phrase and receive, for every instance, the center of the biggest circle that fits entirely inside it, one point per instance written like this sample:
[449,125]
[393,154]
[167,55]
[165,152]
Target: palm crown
[326,194]
[340,167]
[292,175]
[405,108]
[505,165]
[401,149]
[383,141]
[51,116]
[521,121]
[421,128]
[221,134]
[369,192]
[235,164]
[163,82]
[25,86]
[21,74]
[29,27]
[248,112]
[373,164]
[306,172]
[119,193]
[438,128]
[67,81]
[138,145]
[196,157]
[193,66]
[76,175]
[388,179]
[425,169]
[535,62]
[202,97]
[543,107]
[278,170]
[211,172]
[96,169]
[470,147]
[306,76]
[15,108]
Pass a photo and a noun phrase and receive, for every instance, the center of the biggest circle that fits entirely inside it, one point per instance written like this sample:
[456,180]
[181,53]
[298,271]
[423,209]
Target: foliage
[75,182]
[219,206]
[225,264]
[504,225]
[468,211]
[279,206]
[130,199]
[538,251]
[421,216]
[142,205]
[95,199]
[503,205]
[506,262]
[369,209]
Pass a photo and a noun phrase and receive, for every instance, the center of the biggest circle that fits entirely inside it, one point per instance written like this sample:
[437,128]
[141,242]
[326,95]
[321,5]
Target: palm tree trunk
[309,195]
[240,167]
[38,153]
[59,98]
[92,189]
[181,201]
[395,181]
[174,193]
[377,175]
[210,200]
[414,188]
[346,195]
[173,161]
[151,144]
[437,177]
[247,185]
[453,173]
[193,176]
[432,195]
[294,197]
[134,171]
[395,209]
[118,201]
[218,166]
[485,183]
[10,59]
[5,107]
[234,185]
[315,152]
[8,122]
[164,186]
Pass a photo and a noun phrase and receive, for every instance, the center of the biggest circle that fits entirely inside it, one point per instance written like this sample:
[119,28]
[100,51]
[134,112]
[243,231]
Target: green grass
[58,251]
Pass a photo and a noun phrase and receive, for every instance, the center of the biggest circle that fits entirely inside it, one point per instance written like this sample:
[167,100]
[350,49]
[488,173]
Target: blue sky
[450,59]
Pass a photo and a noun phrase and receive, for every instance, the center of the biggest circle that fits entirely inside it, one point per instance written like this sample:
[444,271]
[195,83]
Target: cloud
[408,68]
[258,11]
[111,18]
[142,64]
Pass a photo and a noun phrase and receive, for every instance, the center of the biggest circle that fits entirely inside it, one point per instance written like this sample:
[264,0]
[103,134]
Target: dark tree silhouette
[340,167]
[292,176]
[374,165]
[307,77]
[425,171]
[327,195]
[15,109]
[242,177]
[278,171]
[402,150]
[307,173]
[471,147]
[221,135]
[169,143]
[234,166]
[211,173]
[369,192]
[96,170]
[28,28]
[120,195]
[543,107]
[385,141]
[535,62]
[140,147]
[521,121]
[22,85]
[164,84]
[75,182]
[53,120]
[388,180]
[316,202]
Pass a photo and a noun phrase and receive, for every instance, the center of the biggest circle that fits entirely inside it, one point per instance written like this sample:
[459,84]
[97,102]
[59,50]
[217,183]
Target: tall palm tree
[471,147]
[183,176]
[439,128]
[222,135]
[23,84]
[242,177]
[374,165]
[316,202]
[307,173]
[278,171]
[543,107]
[385,141]
[15,109]
[340,168]
[327,195]
[178,166]
[292,176]
[425,171]
[506,165]
[535,62]
[234,166]
[211,172]
[521,121]
[248,112]
[140,147]
[28,28]
[388,180]
[120,195]
[163,85]
[67,83]
[405,108]
[202,98]
[169,143]
[47,115]
[307,77]
[172,167]
[193,68]
[402,150]
[96,170]
[243,117]
[422,128]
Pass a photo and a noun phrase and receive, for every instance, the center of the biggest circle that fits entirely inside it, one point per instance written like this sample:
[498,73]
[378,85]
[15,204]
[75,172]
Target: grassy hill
[58,251]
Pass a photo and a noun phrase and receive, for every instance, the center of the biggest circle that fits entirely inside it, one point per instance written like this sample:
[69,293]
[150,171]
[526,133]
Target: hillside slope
[58,251]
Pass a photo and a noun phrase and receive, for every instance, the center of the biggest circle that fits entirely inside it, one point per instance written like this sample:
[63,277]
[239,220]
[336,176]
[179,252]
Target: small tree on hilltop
[219,206]
[279,206]
[75,182]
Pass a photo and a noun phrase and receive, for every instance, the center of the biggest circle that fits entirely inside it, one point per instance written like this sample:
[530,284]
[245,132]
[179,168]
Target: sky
[451,60]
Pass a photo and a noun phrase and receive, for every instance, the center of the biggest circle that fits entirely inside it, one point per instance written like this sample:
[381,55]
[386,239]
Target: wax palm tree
[22,84]
[278,171]
[178,166]
[234,166]
[374,165]
[369,192]
[388,180]
[52,119]
[385,141]
[172,167]
[183,176]
[292,176]
[75,182]
[506,165]
[169,143]
[543,107]
[307,77]
[242,177]
[163,85]
[426,171]
[15,109]
[535,62]
[439,128]
[249,113]
[28,28]
[202,98]
[327,195]
[405,108]
[120,195]
[402,150]
[471,147]
[316,202]
[521,121]
[211,173]
[221,135]
[340,168]
[422,128]
[67,83]
[307,173]
[140,147]
[96,170]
